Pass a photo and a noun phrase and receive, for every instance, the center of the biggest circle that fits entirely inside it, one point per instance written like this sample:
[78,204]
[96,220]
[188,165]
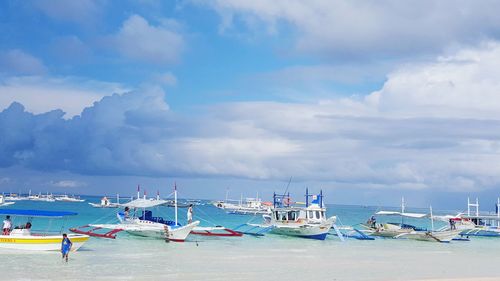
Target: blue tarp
[36,213]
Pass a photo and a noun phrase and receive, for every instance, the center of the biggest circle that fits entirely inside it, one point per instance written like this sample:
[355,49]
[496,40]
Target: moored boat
[24,238]
[305,222]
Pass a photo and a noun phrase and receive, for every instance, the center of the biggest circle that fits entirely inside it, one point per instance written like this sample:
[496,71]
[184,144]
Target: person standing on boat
[126,213]
[65,246]
[190,213]
[7,225]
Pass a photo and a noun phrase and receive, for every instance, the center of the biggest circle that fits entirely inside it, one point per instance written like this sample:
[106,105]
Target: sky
[368,101]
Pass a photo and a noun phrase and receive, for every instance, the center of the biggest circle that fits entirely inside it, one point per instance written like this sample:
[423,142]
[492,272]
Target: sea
[270,257]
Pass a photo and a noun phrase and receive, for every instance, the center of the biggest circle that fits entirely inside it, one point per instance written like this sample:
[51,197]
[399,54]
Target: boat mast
[138,191]
[175,202]
[307,197]
[402,209]
[432,220]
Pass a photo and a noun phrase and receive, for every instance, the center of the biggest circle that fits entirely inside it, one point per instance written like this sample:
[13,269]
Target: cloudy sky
[369,101]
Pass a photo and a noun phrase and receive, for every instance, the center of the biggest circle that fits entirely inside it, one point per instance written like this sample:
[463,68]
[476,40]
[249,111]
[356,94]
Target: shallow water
[250,258]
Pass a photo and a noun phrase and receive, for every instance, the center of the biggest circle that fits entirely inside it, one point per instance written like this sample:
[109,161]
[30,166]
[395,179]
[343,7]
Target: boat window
[323,214]
[311,214]
[277,216]
[283,217]
[318,215]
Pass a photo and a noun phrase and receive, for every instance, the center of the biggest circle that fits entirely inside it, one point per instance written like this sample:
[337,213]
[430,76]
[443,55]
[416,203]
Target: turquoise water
[248,258]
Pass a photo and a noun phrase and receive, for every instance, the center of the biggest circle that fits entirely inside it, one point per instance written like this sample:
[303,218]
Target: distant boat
[105,203]
[66,198]
[39,197]
[15,197]
[249,206]
[3,203]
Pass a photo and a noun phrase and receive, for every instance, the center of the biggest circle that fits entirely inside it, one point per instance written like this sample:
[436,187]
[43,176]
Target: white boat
[43,198]
[23,238]
[14,197]
[105,203]
[142,222]
[305,222]
[66,198]
[3,203]
[249,206]
[403,230]
[442,236]
[475,223]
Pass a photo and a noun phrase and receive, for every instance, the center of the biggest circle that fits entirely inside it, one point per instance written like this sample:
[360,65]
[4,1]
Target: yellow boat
[26,239]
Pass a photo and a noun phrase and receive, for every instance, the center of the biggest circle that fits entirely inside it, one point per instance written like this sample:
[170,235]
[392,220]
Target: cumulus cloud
[138,39]
[417,132]
[354,29]
[18,62]
[461,85]
[81,12]
[41,94]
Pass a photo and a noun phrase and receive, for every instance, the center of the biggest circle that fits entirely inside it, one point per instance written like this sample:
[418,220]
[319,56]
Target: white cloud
[462,85]
[354,29]
[167,79]
[67,183]
[417,133]
[13,62]
[41,94]
[82,12]
[139,40]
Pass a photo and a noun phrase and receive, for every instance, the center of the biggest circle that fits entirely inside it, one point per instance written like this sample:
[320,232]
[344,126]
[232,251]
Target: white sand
[263,259]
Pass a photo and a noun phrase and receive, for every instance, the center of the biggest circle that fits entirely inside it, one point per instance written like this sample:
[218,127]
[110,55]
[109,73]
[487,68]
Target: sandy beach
[263,259]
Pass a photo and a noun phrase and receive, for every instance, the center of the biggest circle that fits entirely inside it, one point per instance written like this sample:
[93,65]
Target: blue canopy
[36,213]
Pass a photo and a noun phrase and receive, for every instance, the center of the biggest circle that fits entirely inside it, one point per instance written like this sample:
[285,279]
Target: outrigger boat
[23,238]
[305,222]
[403,230]
[3,203]
[474,223]
[146,225]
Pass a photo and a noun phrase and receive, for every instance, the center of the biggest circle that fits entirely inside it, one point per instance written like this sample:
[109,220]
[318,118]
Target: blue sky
[368,101]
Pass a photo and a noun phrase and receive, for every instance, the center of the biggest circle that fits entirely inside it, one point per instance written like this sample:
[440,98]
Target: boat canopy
[407,215]
[36,213]
[145,203]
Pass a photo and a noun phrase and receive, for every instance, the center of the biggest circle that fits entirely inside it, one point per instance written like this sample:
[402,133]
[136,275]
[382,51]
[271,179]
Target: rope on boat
[202,219]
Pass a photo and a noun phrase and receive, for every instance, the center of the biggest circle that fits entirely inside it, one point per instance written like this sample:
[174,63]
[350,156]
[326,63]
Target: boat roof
[36,213]
[407,215]
[483,217]
[145,203]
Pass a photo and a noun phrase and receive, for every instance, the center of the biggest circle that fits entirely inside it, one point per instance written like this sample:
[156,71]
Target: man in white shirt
[7,225]
[190,213]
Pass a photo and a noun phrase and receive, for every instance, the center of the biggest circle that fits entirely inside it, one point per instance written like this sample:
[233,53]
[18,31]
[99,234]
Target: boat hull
[157,230]
[310,231]
[40,243]
[435,236]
